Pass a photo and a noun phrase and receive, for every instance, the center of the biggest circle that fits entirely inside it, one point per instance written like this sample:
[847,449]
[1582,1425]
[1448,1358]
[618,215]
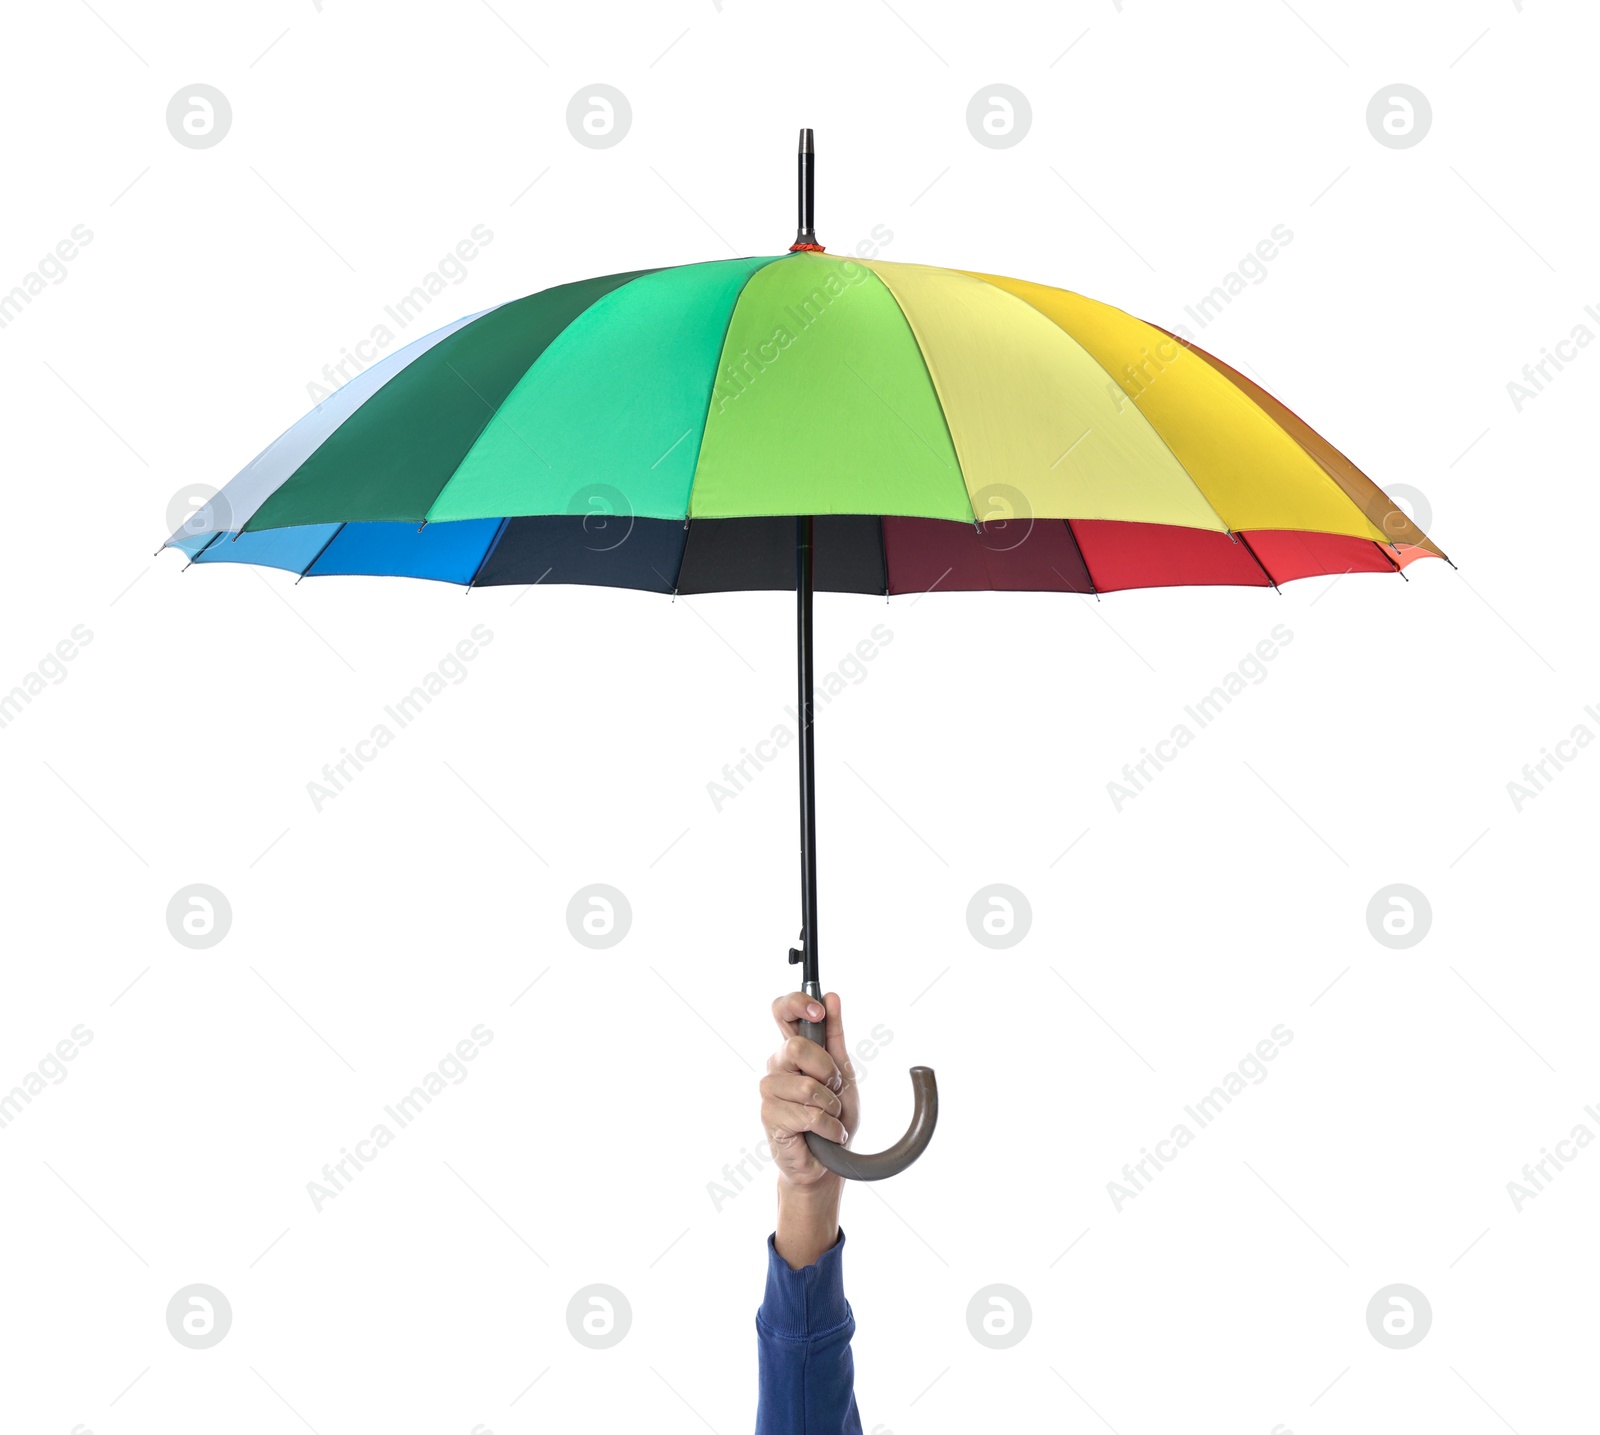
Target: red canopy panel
[1157,555]
[1288,554]
[1103,555]
[1020,555]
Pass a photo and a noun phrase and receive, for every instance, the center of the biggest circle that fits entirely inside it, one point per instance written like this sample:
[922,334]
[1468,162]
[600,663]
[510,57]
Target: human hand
[807,1088]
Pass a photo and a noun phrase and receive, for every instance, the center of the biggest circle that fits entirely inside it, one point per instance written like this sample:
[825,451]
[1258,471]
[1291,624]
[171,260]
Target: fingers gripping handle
[853,1165]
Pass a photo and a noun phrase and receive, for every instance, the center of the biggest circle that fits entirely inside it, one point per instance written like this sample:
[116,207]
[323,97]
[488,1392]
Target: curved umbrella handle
[854,1166]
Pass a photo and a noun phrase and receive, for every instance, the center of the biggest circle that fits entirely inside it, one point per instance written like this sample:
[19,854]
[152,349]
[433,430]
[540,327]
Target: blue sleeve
[803,1331]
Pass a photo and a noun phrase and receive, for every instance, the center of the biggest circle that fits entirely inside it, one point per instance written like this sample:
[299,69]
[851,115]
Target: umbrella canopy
[659,430]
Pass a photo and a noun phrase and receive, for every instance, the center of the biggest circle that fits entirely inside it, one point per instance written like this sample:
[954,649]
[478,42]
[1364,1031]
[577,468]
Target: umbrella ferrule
[805,238]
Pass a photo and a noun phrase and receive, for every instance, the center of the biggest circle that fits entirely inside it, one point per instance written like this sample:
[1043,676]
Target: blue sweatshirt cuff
[803,1304]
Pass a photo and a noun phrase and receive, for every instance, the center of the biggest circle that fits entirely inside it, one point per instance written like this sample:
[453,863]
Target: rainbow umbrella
[804,421]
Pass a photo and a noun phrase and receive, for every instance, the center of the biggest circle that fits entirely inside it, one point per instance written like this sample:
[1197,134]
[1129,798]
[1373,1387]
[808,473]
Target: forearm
[808,1221]
[804,1326]
[803,1333]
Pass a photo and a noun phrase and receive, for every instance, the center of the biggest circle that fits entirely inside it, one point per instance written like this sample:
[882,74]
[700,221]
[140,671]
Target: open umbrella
[809,422]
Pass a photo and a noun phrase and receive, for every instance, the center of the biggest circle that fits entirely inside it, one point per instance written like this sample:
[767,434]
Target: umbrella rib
[983,549]
[677,573]
[488,552]
[1259,564]
[313,563]
[190,564]
[1394,563]
[1082,558]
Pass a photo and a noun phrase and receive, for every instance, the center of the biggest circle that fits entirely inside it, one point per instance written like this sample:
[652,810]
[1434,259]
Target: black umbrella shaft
[808,755]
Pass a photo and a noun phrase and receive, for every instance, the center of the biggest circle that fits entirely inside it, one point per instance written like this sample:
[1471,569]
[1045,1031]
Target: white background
[368,938]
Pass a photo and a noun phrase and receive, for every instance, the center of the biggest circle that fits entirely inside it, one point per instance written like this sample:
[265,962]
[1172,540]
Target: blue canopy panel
[288,548]
[447,552]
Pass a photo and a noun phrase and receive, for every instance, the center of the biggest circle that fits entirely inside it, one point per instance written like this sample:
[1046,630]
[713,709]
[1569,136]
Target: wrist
[808,1220]
[817,1197]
